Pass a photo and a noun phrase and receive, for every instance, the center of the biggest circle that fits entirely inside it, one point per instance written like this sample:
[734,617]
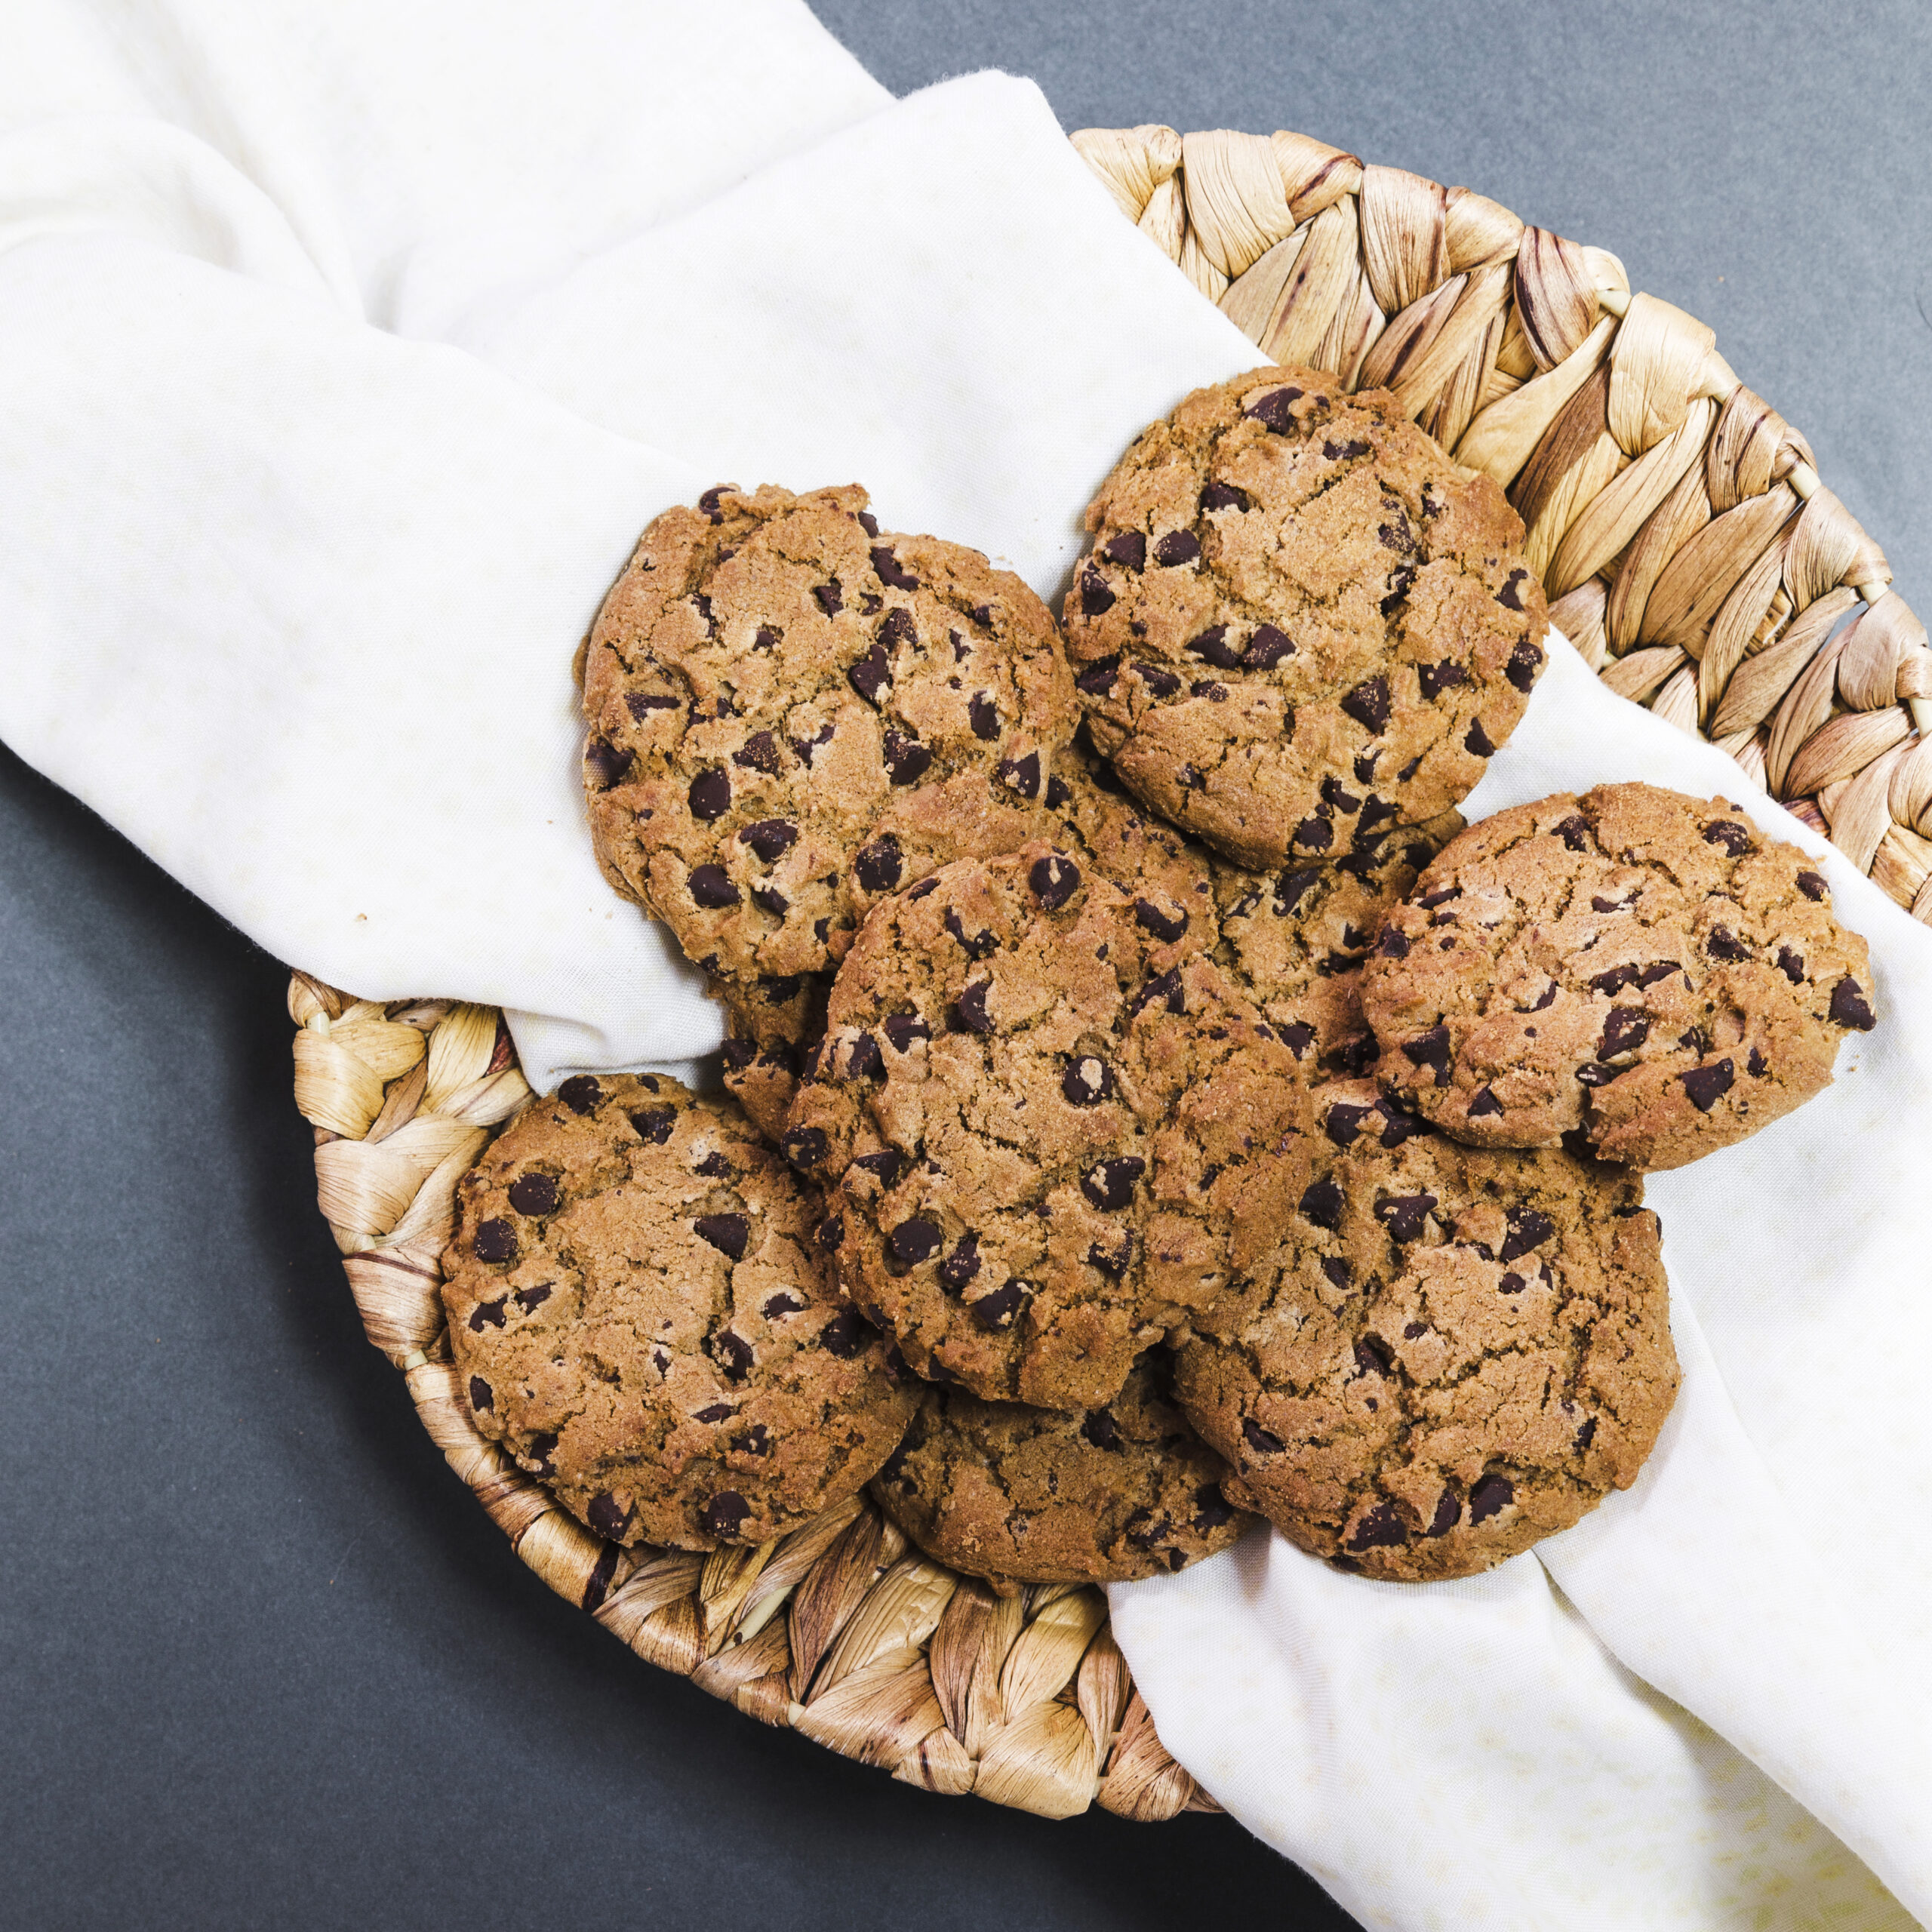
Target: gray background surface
[261,1663]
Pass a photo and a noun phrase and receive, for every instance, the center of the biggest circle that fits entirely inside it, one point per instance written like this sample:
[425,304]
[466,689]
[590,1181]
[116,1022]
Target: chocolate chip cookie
[1300,623]
[792,713]
[638,1315]
[764,1050]
[1020,1495]
[1050,1131]
[1648,969]
[1453,1353]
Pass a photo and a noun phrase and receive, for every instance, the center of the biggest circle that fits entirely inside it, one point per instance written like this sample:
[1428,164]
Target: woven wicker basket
[1690,551]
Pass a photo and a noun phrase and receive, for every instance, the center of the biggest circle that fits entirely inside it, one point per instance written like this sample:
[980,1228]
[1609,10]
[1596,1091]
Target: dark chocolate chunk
[1721,945]
[1525,661]
[1167,927]
[845,1334]
[716,1412]
[1368,703]
[1095,597]
[1624,1029]
[1849,1007]
[481,1396]
[906,759]
[1129,549]
[968,1013]
[770,838]
[609,762]
[1322,1204]
[1382,1528]
[872,673]
[606,1519]
[1728,833]
[1160,684]
[759,752]
[891,572]
[1275,410]
[998,1310]
[710,795]
[1405,1215]
[1110,1185]
[487,1314]
[878,866]
[1088,1081]
[655,1124]
[961,1265]
[1054,880]
[534,1194]
[914,1241]
[1216,496]
[1098,678]
[1212,647]
[1393,944]
[1262,1442]
[1490,1496]
[783,1303]
[1448,1514]
[1791,964]
[804,1146]
[725,1515]
[1022,774]
[886,1165]
[1100,1430]
[1529,1228]
[1511,596]
[1339,1273]
[984,716]
[1485,1101]
[732,1353]
[902,1028]
[1707,1084]
[1812,885]
[1477,741]
[728,1233]
[1266,648]
[1431,1050]
[1178,546]
[1436,678]
[641,704]
[711,888]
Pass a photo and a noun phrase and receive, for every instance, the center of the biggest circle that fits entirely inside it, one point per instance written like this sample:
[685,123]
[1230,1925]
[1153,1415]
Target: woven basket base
[841,1629]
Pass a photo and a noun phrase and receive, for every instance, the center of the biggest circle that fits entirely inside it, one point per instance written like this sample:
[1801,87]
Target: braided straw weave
[1689,551]
[840,1630]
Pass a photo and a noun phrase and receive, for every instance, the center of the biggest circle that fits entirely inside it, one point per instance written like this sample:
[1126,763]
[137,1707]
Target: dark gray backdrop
[261,1661]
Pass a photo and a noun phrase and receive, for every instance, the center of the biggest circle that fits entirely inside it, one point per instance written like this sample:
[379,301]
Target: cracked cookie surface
[1300,621]
[1453,1353]
[1020,1495]
[637,1314]
[1051,1132]
[1645,967]
[793,713]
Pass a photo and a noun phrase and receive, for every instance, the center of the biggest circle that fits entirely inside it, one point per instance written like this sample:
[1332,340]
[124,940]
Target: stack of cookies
[1148,1104]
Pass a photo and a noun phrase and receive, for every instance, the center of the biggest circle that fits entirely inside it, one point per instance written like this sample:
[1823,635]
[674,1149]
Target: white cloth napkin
[343,352]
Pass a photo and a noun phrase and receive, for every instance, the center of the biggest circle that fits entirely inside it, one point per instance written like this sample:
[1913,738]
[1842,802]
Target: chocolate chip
[759,752]
[1100,1430]
[1382,1528]
[542,1447]
[1344,1122]
[1393,944]
[806,747]
[773,901]
[1812,885]
[1128,549]
[1262,1442]
[1110,1185]
[1095,598]
[725,1515]
[487,1314]
[1850,1007]
[714,1412]
[1477,741]
[1340,452]
[732,1353]
[1405,1215]
[711,888]
[906,759]
[1088,1081]
[534,1194]
[984,714]
[710,795]
[1398,1125]
[606,1519]
[1721,945]
[1223,496]
[804,1146]
[1593,1074]
[1212,1510]
[728,1233]
[1317,833]
[531,1299]
[1275,410]
[1485,1102]
[609,762]
[1401,580]
[1448,1514]
[868,522]
[1322,1204]
[1728,833]
[872,673]
[1058,791]
[1212,647]
[641,704]
[1511,1284]
[481,1396]
[878,865]
[1410,769]
[1525,661]
[914,1241]
[961,1266]
[1166,926]
[1529,1229]
[1339,1273]
[770,838]
[1757,1065]
[1624,1029]
[1431,1050]
[1510,596]
[782,1303]
[1206,688]
[891,572]
[1373,1356]
[902,1028]
[1368,704]
[655,1124]
[1098,678]
[998,1310]
[845,1334]
[1022,774]
[1707,1084]
[1160,684]
[1436,678]
[1490,1496]
[1054,880]
[1266,648]
[1163,986]
[1178,546]
[968,1013]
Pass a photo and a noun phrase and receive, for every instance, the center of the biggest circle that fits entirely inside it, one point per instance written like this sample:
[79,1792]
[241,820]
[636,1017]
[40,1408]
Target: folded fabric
[340,365]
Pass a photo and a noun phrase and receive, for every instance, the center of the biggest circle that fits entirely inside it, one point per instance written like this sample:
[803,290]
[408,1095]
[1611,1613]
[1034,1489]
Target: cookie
[1454,1352]
[1020,1495]
[1646,969]
[1300,623]
[1049,1131]
[793,713]
[638,1315]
